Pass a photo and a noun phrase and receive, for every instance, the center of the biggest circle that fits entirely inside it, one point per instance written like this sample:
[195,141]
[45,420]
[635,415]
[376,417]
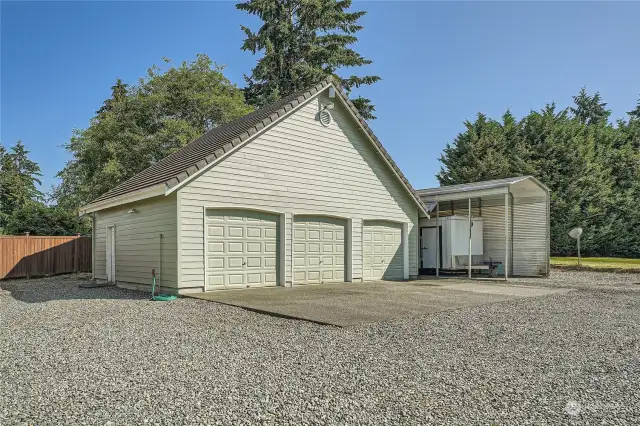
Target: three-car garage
[244,249]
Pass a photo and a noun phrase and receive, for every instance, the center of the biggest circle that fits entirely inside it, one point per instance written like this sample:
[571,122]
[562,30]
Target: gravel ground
[110,357]
[585,280]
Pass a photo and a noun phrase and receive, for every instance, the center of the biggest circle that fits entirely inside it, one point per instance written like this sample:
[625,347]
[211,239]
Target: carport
[490,229]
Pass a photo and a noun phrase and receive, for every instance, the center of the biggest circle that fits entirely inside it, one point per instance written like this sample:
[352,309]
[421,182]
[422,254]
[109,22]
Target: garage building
[298,192]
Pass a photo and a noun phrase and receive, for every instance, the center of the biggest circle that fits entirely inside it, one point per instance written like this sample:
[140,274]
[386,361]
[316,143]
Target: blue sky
[441,63]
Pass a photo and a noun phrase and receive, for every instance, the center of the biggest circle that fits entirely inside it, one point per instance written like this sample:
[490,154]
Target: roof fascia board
[243,144]
[141,194]
[380,153]
[537,181]
[463,195]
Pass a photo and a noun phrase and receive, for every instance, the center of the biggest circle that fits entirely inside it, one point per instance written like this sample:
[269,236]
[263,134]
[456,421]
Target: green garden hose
[159,297]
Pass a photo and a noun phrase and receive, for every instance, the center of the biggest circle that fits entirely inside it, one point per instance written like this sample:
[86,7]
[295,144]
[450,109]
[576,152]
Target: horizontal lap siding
[299,167]
[138,240]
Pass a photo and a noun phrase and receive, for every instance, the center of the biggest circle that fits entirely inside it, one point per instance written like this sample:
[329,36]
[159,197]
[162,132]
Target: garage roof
[199,154]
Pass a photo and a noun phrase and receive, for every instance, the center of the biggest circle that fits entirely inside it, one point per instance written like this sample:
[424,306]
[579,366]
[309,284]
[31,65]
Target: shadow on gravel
[62,287]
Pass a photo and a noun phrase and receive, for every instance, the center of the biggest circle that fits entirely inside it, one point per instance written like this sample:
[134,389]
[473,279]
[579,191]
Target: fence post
[28,262]
[75,253]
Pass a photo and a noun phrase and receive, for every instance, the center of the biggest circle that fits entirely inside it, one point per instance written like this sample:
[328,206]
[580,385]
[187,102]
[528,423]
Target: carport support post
[469,199]
[506,235]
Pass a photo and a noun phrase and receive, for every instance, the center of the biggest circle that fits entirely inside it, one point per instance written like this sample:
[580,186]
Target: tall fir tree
[590,109]
[118,94]
[19,177]
[303,41]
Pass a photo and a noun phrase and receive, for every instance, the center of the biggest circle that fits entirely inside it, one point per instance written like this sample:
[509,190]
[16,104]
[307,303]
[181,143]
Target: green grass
[598,262]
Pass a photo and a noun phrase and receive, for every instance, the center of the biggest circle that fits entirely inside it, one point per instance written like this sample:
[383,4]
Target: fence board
[27,256]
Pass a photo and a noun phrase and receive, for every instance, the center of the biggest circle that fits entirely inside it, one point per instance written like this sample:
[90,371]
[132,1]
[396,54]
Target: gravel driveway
[110,356]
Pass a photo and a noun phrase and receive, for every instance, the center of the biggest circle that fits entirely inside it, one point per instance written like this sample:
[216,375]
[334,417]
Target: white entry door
[242,249]
[110,264]
[428,238]
[318,250]
[382,250]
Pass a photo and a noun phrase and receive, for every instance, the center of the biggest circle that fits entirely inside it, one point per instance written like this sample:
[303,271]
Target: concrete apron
[347,304]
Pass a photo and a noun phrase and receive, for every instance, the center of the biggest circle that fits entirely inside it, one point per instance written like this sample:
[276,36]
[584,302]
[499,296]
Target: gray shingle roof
[177,167]
[473,186]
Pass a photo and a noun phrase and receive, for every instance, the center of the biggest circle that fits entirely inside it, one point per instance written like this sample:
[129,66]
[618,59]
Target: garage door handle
[383,260]
[244,263]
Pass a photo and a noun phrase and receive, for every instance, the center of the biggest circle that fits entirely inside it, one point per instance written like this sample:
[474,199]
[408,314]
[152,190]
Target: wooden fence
[28,256]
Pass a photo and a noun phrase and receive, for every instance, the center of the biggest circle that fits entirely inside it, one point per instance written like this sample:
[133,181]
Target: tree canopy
[592,167]
[142,123]
[18,178]
[22,207]
[303,42]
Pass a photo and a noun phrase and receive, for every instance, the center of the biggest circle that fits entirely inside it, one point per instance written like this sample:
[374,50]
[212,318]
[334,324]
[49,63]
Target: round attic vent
[325,118]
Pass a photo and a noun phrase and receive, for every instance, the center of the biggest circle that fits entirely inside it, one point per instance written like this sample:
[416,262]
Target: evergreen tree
[118,94]
[303,42]
[18,178]
[635,114]
[590,109]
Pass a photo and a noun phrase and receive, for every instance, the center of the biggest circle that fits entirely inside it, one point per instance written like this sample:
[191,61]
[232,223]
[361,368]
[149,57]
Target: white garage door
[318,250]
[382,250]
[242,249]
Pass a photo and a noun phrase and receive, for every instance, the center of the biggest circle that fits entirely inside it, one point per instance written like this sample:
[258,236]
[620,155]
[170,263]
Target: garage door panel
[382,248]
[234,262]
[216,262]
[216,231]
[319,250]
[241,248]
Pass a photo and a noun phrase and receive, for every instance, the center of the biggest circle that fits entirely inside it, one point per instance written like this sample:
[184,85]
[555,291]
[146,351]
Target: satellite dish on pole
[575,234]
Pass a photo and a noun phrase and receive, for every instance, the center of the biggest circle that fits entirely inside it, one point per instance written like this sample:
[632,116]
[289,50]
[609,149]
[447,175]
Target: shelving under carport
[496,228]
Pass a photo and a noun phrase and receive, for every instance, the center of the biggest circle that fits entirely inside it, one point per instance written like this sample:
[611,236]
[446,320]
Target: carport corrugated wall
[493,228]
[530,236]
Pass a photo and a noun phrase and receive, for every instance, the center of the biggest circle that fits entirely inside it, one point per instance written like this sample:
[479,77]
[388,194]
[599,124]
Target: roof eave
[130,197]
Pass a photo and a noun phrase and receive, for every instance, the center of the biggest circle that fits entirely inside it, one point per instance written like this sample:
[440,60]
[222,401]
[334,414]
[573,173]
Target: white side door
[110,264]
[429,247]
[382,250]
[318,250]
[242,249]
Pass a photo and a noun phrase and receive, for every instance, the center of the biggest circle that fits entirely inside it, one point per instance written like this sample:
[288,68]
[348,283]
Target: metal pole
[579,259]
[161,270]
[437,239]
[469,266]
[506,235]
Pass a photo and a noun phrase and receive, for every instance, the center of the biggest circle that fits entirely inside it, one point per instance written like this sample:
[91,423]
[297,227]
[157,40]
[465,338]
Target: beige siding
[138,240]
[530,236]
[493,233]
[299,167]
